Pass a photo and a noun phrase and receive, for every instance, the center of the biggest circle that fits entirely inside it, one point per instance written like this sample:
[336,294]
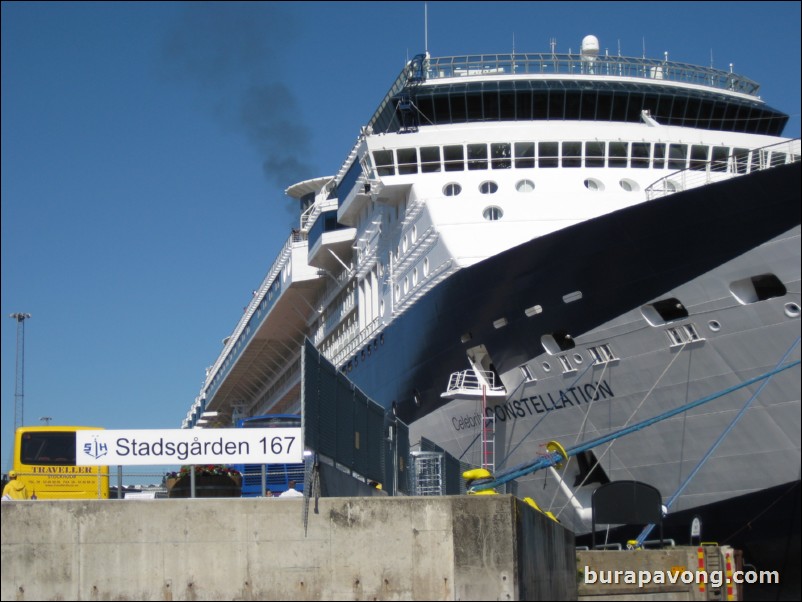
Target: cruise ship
[524,249]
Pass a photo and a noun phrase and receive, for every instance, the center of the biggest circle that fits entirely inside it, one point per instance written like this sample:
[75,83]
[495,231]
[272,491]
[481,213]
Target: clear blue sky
[137,213]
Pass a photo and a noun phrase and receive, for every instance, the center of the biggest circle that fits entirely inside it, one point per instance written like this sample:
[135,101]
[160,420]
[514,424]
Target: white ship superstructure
[516,239]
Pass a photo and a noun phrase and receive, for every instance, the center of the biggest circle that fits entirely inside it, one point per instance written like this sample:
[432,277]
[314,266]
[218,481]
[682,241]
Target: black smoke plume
[233,52]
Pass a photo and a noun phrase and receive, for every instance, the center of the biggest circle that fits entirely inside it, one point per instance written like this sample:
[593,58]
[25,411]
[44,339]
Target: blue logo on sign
[96,449]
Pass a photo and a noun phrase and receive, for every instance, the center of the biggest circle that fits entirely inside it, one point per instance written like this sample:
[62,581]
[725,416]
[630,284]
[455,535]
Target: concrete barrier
[414,548]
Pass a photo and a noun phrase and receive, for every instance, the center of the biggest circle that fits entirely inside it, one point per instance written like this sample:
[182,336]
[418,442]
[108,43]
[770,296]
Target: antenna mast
[19,378]
[426,27]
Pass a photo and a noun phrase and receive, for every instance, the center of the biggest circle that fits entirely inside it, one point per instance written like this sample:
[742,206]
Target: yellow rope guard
[552,447]
[477,473]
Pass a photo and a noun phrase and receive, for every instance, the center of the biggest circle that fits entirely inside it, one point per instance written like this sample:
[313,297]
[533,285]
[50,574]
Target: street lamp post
[19,378]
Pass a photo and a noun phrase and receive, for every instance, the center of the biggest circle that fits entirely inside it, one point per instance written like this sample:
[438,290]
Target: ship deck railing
[231,342]
[576,64]
[473,383]
[737,164]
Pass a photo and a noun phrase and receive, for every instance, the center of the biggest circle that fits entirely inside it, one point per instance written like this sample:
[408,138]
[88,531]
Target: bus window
[277,476]
[44,458]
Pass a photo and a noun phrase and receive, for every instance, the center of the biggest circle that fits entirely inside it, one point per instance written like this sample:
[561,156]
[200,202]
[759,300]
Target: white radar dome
[590,46]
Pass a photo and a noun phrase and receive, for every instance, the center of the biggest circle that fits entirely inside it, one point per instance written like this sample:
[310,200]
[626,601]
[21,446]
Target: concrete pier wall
[414,548]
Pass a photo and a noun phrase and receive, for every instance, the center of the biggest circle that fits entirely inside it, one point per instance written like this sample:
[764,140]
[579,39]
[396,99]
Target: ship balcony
[330,243]
[473,384]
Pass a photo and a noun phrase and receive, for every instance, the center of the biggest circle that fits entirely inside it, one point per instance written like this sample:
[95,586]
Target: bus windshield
[276,476]
[44,459]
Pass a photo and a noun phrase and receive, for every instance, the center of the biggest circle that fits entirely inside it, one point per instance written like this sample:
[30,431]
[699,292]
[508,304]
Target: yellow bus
[44,459]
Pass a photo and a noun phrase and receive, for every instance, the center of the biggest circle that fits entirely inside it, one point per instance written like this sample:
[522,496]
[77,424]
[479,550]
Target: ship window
[474,102]
[602,354]
[425,266]
[640,154]
[594,154]
[682,335]
[533,311]
[477,156]
[617,154]
[488,187]
[524,154]
[548,153]
[664,311]
[452,189]
[526,372]
[407,161]
[566,364]
[493,214]
[629,185]
[454,158]
[525,186]
[720,159]
[384,162]
[500,155]
[430,159]
[572,154]
[659,156]
[757,288]
[557,342]
[699,154]
[594,185]
[676,156]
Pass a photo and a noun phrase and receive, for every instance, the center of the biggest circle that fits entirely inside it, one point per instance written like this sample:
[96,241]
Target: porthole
[792,310]
[493,213]
[578,358]
[425,267]
[714,325]
[414,233]
[452,189]
[488,187]
[415,277]
[629,185]
[525,186]
[672,186]
[594,185]
[547,366]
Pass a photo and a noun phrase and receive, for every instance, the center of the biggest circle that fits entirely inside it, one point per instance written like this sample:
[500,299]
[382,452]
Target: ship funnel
[590,47]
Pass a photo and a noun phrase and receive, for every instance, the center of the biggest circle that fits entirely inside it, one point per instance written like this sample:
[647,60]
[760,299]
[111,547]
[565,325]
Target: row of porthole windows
[364,354]
[403,289]
[525,186]
[489,187]
[671,310]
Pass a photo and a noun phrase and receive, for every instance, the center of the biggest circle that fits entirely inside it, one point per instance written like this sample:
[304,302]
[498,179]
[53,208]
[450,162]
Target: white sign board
[189,446]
